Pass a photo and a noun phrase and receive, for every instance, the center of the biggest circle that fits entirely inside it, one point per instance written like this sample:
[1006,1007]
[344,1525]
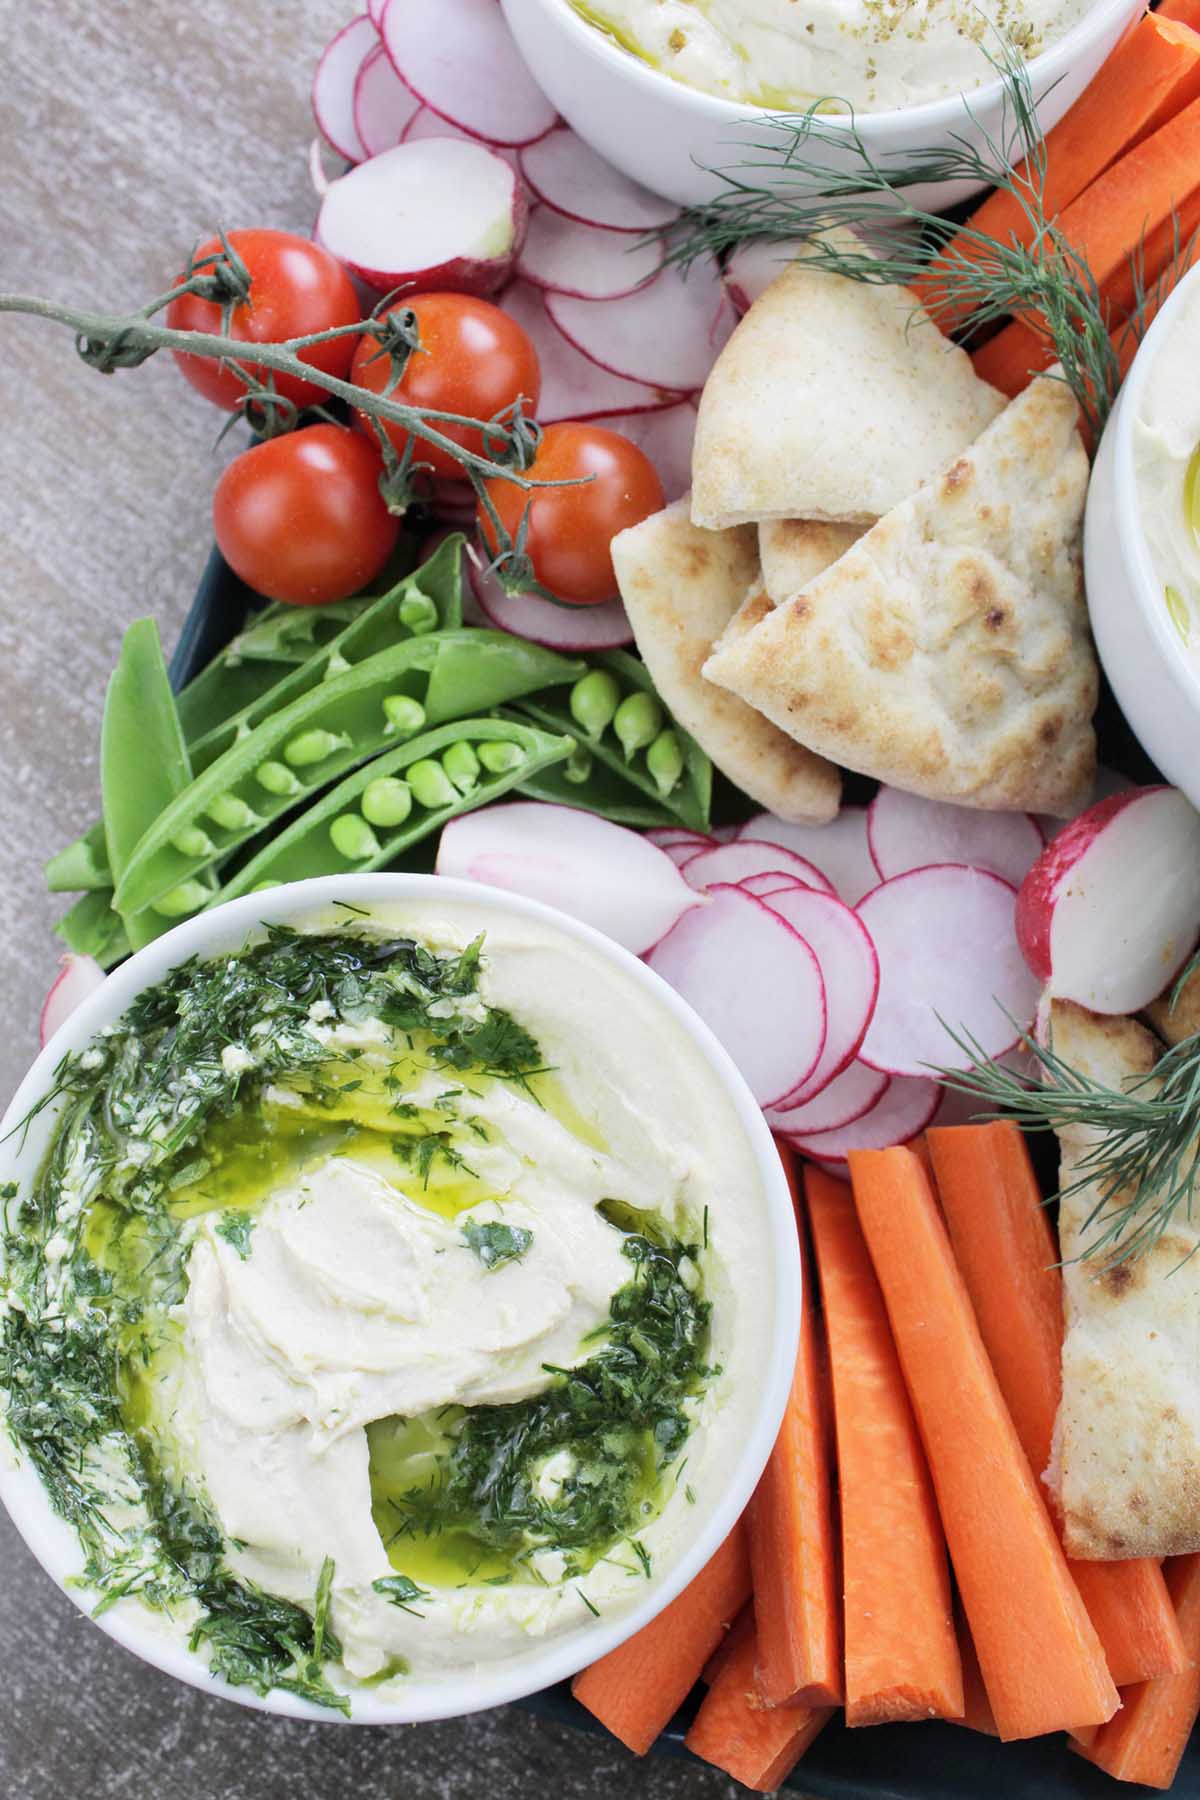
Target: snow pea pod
[82,866]
[231,805]
[272,642]
[92,928]
[343,830]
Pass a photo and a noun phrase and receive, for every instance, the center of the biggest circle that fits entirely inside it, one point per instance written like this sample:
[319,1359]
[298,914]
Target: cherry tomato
[295,288]
[473,360]
[300,517]
[571,528]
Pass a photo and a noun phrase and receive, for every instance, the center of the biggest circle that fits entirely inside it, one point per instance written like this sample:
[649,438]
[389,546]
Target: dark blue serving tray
[888,1762]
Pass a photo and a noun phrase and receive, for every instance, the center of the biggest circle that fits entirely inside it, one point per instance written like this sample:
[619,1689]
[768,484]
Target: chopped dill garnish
[236,1228]
[496,1244]
[400,1590]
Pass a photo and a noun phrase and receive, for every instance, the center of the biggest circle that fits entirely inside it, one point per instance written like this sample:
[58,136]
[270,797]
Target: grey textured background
[127,131]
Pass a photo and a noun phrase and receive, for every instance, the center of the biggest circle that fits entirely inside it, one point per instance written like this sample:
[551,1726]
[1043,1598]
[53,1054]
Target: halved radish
[333,86]
[1110,911]
[678,844]
[753,266]
[840,849]
[443,213]
[460,58]
[1108,782]
[666,436]
[906,832]
[669,332]
[847,1097]
[383,106]
[573,387]
[901,1113]
[754,982]
[736,861]
[603,627]
[426,124]
[948,962]
[78,977]
[585,260]
[601,873]
[569,176]
[849,968]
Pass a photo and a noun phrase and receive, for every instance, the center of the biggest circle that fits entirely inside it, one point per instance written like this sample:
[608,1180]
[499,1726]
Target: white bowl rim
[1126,505]
[1048,68]
[470,1689]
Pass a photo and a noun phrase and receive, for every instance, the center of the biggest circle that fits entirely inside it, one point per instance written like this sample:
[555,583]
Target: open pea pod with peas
[337,725]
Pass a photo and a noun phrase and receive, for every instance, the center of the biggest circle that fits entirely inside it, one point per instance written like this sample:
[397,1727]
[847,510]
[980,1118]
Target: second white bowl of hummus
[400,1299]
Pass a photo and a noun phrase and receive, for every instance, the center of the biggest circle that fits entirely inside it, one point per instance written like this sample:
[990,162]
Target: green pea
[353,838]
[386,801]
[637,722]
[462,766]
[578,765]
[431,785]
[418,613]
[193,842]
[498,758]
[188,897]
[403,714]
[664,761]
[594,700]
[278,779]
[232,814]
[313,747]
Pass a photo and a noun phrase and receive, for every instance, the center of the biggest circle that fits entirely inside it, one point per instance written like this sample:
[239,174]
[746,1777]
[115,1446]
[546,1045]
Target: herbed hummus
[1166,455]
[374,1310]
[871,55]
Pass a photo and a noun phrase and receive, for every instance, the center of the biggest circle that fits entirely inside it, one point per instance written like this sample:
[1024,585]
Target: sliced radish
[678,844]
[444,213]
[427,124]
[734,862]
[383,106]
[375,11]
[585,261]
[573,387]
[666,437]
[772,881]
[333,86]
[753,266]
[754,982]
[901,1113]
[948,962]
[453,503]
[569,176]
[1111,909]
[906,832]
[849,967]
[460,58]
[79,976]
[840,849]
[601,873]
[669,332]
[603,627]
[847,1097]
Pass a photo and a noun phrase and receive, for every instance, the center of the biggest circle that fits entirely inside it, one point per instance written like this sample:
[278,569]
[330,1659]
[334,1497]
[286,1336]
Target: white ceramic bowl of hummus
[1141,554]
[333,1299]
[668,134]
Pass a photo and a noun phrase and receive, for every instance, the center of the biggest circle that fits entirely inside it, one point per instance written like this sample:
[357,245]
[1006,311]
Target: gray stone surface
[127,131]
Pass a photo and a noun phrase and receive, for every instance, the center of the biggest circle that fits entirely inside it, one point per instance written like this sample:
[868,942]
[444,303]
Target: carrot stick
[1011,359]
[1153,73]
[742,1627]
[977,1714]
[637,1688]
[789,1523]
[1004,1244]
[757,1745]
[1041,1659]
[901,1653]
[1149,1735]
[1187,11]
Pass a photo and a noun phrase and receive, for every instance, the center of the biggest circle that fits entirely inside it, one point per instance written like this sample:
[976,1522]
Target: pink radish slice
[753,266]
[333,86]
[901,1113]
[585,261]
[840,849]
[569,176]
[383,106]
[906,832]
[754,982]
[603,627]
[609,877]
[427,124]
[666,437]
[948,962]
[79,976]
[316,168]
[1110,911]
[573,387]
[678,844]
[453,503]
[375,11]
[849,967]
[669,332]
[444,213]
[460,58]
[847,1097]
[735,862]
[771,881]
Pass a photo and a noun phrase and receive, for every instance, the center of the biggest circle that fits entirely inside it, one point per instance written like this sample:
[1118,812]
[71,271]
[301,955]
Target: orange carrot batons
[1149,1735]
[757,1745]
